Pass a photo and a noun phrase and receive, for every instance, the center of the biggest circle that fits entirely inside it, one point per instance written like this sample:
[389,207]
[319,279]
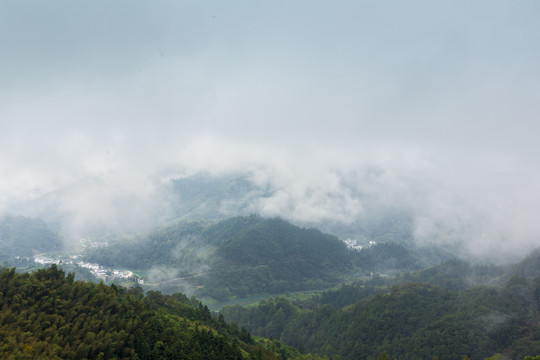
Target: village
[98,271]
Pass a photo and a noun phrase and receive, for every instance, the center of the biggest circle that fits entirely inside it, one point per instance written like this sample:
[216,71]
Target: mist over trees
[240,256]
[373,164]
[22,236]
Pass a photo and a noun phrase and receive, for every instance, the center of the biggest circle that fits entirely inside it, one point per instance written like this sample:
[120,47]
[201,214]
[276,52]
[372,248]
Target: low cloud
[343,112]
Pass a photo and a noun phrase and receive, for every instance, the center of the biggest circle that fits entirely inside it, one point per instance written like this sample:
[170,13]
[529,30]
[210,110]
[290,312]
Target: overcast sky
[443,97]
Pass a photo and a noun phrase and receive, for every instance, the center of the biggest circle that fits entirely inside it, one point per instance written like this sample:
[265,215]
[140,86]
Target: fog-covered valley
[205,225]
[364,174]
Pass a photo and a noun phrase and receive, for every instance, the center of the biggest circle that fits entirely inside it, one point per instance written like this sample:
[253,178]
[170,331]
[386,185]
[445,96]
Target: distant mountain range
[92,208]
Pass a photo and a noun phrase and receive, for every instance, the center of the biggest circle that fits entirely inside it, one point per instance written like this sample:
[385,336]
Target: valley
[299,286]
[269,180]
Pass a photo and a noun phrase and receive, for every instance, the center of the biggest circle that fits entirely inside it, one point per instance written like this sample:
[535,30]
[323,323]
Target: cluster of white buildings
[45,261]
[354,244]
[98,271]
[106,274]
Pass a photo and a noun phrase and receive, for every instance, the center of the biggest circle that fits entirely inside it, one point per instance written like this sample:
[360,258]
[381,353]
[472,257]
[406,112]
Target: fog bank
[336,111]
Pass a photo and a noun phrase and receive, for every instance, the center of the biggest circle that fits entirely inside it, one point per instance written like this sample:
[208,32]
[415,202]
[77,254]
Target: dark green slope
[413,320]
[47,315]
[261,241]
[257,255]
[236,257]
[460,275]
[388,257]
[22,236]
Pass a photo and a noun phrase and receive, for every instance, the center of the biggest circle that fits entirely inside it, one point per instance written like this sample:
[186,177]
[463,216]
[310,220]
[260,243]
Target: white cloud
[427,105]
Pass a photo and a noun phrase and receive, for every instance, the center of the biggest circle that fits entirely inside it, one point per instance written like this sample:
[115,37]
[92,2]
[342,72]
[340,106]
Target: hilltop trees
[48,315]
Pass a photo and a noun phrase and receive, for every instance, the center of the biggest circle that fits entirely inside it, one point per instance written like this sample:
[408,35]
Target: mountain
[257,255]
[236,257]
[23,236]
[205,197]
[48,315]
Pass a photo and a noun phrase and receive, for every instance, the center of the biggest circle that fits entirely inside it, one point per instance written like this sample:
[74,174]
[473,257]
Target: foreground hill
[47,315]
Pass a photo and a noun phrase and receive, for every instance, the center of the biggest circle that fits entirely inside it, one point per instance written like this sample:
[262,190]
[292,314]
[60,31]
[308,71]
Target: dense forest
[49,315]
[451,318]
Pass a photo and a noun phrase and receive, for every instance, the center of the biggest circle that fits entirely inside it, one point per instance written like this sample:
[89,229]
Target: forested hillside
[409,320]
[23,236]
[451,311]
[238,256]
[271,255]
[48,315]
